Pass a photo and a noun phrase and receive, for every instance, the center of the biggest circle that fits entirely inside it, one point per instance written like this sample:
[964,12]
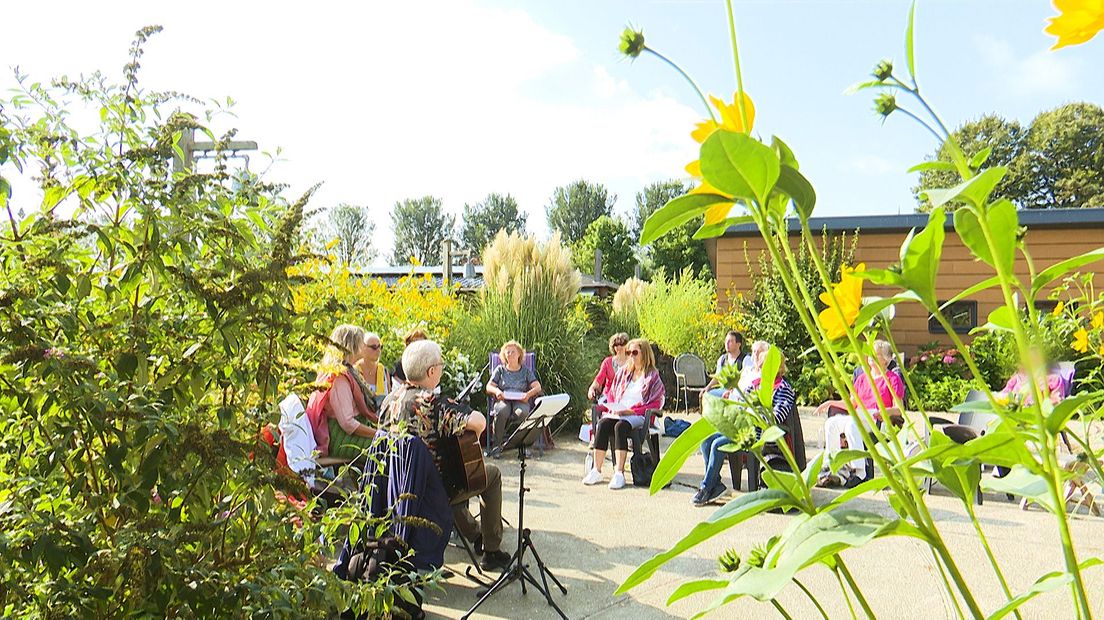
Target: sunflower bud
[632,42]
[885,104]
[729,561]
[883,70]
[757,556]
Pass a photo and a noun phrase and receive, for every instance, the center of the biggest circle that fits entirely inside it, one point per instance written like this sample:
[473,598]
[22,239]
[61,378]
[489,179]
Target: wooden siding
[732,255]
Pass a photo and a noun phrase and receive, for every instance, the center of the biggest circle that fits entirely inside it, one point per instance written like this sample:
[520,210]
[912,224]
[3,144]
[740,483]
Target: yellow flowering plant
[762,182]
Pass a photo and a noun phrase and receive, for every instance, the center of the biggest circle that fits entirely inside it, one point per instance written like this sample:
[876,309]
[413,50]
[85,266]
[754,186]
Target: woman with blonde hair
[512,386]
[343,414]
[636,389]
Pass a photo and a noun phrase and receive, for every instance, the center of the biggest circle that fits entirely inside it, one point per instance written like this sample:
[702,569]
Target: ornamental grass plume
[518,264]
[628,295]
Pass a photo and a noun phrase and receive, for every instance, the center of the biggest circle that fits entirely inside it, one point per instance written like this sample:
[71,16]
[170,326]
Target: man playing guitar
[415,409]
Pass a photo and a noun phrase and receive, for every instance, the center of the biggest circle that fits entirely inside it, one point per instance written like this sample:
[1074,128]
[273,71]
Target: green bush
[145,340]
[680,316]
[939,378]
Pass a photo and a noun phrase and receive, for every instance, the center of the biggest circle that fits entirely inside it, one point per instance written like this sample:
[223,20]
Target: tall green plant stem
[917,507]
[781,610]
[946,583]
[685,76]
[1049,449]
[846,596]
[812,598]
[989,553]
[855,588]
[736,65]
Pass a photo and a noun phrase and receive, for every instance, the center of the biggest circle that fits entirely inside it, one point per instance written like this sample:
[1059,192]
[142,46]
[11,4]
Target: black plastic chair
[743,459]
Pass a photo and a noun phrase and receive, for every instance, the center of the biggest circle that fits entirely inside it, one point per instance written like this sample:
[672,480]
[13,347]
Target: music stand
[517,570]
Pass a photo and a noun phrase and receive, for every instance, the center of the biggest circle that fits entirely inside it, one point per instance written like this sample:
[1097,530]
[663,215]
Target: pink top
[1019,384]
[885,386]
[606,374]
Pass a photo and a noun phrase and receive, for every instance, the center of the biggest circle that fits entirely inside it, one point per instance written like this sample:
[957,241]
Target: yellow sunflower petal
[1098,320]
[694,169]
[702,130]
[1080,341]
[1078,21]
[718,213]
[730,113]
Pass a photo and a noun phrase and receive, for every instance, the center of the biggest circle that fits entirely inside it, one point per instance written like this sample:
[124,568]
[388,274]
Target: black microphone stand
[517,569]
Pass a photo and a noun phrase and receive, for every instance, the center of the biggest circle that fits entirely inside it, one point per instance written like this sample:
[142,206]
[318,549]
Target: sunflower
[1079,21]
[844,309]
[731,120]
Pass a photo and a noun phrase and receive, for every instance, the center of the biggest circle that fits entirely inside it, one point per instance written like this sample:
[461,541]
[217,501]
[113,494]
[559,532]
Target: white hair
[419,357]
[883,350]
[370,335]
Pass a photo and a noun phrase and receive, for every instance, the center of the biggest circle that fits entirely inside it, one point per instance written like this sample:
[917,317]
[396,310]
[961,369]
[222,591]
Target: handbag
[643,467]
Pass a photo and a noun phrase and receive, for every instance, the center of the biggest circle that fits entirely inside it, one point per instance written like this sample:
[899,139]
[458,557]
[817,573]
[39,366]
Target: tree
[483,220]
[1056,162]
[1066,151]
[352,227]
[420,226]
[612,237]
[575,206]
[676,250]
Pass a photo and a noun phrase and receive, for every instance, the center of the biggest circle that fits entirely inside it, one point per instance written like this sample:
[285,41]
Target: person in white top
[734,354]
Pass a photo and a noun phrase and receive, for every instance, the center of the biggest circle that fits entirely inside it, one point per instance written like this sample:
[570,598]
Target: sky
[381,101]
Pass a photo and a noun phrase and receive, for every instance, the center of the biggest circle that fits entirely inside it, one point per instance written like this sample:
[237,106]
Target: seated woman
[608,370]
[344,415]
[885,386]
[1019,384]
[513,386]
[370,368]
[636,389]
[783,405]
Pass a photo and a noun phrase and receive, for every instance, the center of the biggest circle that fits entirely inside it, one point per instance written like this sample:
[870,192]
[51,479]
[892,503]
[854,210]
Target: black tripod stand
[517,569]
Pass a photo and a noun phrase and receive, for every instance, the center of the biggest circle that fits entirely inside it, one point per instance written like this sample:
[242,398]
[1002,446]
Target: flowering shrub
[326,287]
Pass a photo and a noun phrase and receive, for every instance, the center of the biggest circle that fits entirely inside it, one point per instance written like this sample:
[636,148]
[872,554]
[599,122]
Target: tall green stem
[846,596]
[855,588]
[780,609]
[736,65]
[812,598]
[989,553]
[946,584]
[685,76]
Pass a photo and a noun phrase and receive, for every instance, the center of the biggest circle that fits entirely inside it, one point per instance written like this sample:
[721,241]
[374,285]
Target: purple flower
[923,358]
[948,359]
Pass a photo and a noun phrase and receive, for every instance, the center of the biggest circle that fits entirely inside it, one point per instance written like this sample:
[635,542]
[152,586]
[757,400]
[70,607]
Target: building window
[1045,306]
[962,315]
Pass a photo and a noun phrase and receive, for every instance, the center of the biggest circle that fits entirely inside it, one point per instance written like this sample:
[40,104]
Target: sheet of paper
[508,395]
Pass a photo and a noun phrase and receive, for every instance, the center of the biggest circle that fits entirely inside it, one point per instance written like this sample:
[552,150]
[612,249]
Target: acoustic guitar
[462,467]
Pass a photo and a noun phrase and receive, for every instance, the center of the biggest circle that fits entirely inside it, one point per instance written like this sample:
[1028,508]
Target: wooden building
[1053,235]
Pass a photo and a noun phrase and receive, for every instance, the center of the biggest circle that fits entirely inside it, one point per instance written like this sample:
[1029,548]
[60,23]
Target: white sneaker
[618,481]
[592,477]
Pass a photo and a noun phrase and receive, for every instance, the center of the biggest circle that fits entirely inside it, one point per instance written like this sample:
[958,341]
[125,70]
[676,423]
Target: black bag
[642,467]
[366,563]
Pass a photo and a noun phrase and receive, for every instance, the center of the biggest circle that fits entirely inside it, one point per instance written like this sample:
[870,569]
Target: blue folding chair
[529,361]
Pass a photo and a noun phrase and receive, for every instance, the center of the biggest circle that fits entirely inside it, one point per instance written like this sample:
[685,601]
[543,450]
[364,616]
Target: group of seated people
[348,411]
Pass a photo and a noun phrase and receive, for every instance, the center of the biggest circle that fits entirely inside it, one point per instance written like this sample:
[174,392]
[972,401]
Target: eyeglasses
[619,344]
[374,347]
[634,352]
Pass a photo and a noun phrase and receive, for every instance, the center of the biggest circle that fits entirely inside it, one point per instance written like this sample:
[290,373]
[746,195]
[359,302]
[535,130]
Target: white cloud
[1041,72]
[383,101]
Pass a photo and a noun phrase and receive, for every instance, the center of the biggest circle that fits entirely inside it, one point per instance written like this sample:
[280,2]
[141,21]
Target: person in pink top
[1019,385]
[887,385]
[617,359]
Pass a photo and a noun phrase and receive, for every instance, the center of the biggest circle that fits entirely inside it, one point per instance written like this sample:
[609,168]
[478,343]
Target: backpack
[642,467]
[673,427]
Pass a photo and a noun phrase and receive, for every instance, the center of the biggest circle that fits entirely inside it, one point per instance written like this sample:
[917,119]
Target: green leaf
[873,308]
[882,277]
[1046,583]
[785,154]
[942,166]
[1003,318]
[860,86]
[846,456]
[1058,418]
[1023,483]
[125,364]
[681,448]
[799,189]
[770,435]
[812,470]
[877,483]
[739,165]
[736,511]
[960,477]
[677,212]
[1060,269]
[769,372]
[920,256]
[691,588]
[708,231]
[974,191]
[910,55]
[982,156]
[828,533]
[973,290]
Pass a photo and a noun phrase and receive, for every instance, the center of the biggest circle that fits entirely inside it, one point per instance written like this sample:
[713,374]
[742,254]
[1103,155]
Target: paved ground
[592,538]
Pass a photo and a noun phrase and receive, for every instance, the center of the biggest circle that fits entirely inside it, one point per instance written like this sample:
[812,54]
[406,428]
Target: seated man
[840,431]
[415,409]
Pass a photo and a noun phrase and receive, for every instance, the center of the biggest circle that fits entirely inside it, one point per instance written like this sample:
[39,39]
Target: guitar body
[462,467]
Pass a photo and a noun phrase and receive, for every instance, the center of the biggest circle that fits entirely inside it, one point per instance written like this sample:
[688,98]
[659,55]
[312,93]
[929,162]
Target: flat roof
[1031,218]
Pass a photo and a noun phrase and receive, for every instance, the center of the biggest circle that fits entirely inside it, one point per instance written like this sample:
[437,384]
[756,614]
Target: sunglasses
[634,352]
[374,347]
